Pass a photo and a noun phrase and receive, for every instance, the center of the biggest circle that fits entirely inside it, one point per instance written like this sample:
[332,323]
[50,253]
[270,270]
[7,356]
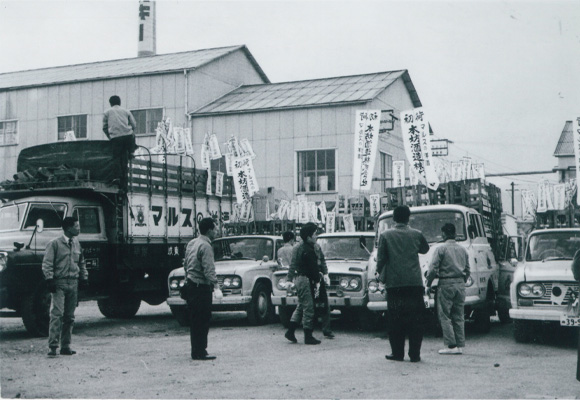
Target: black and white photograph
[182,217]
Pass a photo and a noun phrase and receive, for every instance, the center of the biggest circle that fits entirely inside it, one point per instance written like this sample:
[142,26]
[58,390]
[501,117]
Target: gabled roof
[565,146]
[149,65]
[310,93]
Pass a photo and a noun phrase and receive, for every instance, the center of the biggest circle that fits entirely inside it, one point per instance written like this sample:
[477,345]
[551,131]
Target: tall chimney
[147,34]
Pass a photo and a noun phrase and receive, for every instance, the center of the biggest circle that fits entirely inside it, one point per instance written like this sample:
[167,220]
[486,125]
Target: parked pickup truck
[481,287]
[347,256]
[244,267]
[544,290]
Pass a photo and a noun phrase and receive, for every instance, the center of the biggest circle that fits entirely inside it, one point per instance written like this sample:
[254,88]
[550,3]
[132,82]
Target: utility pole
[513,192]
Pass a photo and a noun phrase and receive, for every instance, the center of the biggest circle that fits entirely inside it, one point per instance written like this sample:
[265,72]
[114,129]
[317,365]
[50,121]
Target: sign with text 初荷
[366,139]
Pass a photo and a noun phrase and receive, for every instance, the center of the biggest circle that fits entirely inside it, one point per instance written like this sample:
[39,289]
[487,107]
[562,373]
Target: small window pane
[88,220]
[75,123]
[147,120]
[310,160]
[8,132]
[316,171]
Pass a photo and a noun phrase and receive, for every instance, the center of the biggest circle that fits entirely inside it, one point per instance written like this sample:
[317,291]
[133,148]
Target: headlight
[176,283]
[350,283]
[3,261]
[469,282]
[232,282]
[282,283]
[354,284]
[373,286]
[343,283]
[531,290]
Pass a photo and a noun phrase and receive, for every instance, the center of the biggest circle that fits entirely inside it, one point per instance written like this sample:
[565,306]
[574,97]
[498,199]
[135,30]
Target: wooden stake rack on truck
[132,237]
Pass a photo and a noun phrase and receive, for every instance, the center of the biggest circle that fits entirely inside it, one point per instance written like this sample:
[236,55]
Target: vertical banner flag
[188,142]
[246,148]
[214,147]
[245,181]
[375,204]
[366,139]
[245,211]
[542,197]
[208,183]
[179,139]
[528,204]
[398,173]
[560,196]
[205,160]
[413,177]
[550,196]
[230,164]
[283,209]
[465,168]
[330,221]
[219,183]
[415,128]
[348,223]
[576,135]
[293,215]
[455,171]
[313,212]
[303,212]
[322,209]
[268,216]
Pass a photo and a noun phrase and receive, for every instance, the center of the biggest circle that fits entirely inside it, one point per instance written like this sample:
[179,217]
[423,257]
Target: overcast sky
[498,78]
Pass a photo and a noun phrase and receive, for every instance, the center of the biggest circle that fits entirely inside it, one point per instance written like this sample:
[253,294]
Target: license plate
[570,321]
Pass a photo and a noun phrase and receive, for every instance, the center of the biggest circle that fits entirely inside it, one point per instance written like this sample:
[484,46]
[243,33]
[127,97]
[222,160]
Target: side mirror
[39,225]
[514,262]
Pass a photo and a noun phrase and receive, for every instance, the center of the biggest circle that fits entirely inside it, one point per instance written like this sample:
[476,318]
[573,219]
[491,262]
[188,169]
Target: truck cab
[543,290]
[244,267]
[481,287]
[347,256]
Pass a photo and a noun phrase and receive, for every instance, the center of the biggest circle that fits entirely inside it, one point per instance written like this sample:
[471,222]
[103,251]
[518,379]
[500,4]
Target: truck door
[482,269]
[94,244]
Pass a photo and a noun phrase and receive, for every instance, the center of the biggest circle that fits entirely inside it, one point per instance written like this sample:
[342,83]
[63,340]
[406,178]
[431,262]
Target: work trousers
[321,308]
[406,314]
[199,299]
[450,308]
[123,146]
[305,309]
[62,313]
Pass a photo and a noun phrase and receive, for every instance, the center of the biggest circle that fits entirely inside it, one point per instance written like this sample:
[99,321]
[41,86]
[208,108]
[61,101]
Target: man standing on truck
[200,281]
[63,265]
[450,264]
[399,269]
[119,125]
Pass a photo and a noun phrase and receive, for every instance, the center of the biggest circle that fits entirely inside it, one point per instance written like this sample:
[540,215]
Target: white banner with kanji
[415,130]
[214,147]
[560,196]
[219,183]
[245,182]
[366,140]
[398,173]
[375,201]
[322,209]
[348,223]
[283,209]
[330,221]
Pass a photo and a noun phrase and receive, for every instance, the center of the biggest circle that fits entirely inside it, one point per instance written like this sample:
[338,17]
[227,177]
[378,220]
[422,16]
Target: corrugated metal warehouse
[297,129]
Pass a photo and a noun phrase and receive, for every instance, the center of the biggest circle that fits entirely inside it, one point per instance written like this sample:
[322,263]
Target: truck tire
[35,311]
[260,309]
[119,306]
[180,314]
[285,313]
[522,331]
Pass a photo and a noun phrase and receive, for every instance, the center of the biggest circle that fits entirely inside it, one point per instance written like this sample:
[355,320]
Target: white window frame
[73,115]
[147,109]
[2,142]
[297,175]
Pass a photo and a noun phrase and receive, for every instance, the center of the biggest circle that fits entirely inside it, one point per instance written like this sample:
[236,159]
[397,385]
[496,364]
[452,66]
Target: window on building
[75,123]
[8,133]
[386,170]
[147,120]
[316,171]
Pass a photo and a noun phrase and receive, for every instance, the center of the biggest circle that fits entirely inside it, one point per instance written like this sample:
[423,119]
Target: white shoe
[455,350]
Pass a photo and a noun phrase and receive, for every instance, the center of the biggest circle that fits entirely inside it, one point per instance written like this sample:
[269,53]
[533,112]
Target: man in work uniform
[399,269]
[63,265]
[200,282]
[304,272]
[285,253]
[450,264]
[119,125]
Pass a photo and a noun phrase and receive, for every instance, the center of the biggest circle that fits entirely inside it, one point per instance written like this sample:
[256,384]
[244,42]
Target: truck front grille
[546,299]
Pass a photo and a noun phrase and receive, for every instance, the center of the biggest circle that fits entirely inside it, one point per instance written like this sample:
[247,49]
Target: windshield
[430,223]
[345,247]
[11,217]
[243,248]
[553,245]
[51,213]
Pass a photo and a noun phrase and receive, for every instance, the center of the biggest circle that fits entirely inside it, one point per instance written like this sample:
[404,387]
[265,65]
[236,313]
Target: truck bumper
[235,302]
[537,314]
[383,306]
[333,302]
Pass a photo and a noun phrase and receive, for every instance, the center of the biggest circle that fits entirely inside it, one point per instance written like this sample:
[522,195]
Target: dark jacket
[576,266]
[304,262]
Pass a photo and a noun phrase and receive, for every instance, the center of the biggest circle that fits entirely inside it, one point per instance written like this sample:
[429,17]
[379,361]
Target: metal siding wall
[74,99]
[132,102]
[144,92]
[157,99]
[300,123]
[258,126]
[168,87]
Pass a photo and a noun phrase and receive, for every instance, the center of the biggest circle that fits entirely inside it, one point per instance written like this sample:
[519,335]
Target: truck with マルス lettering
[474,208]
[133,228]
